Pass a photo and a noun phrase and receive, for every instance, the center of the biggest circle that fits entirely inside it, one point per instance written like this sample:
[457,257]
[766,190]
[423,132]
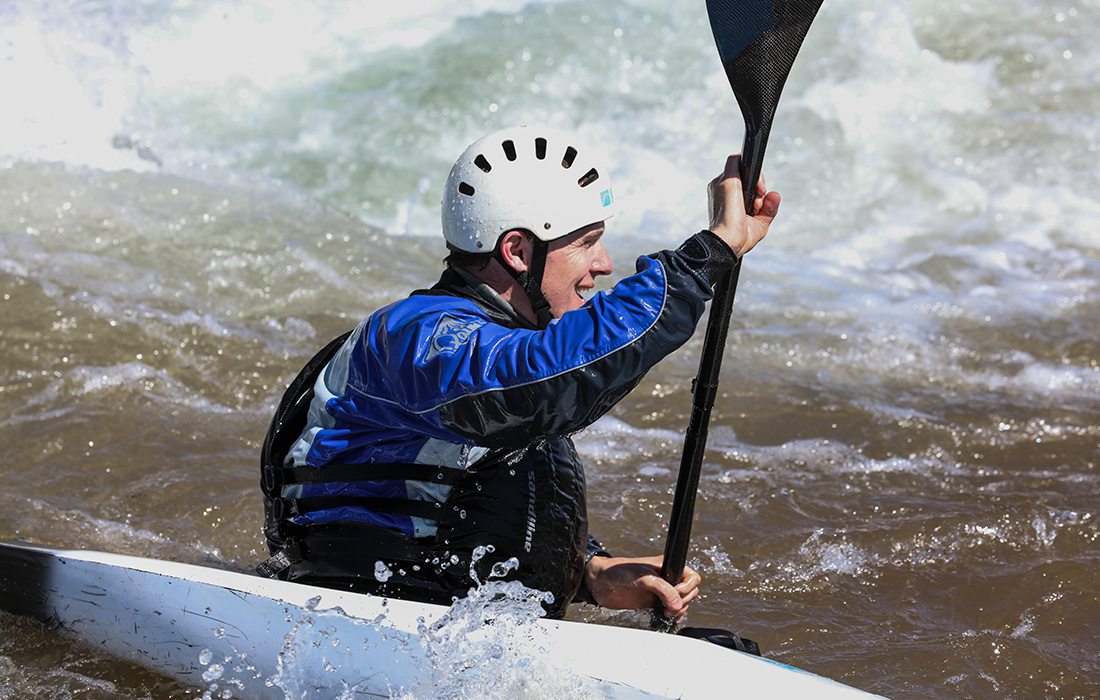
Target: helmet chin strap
[531,279]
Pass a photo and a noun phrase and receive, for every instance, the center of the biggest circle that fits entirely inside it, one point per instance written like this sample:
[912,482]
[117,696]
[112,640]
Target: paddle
[757,42]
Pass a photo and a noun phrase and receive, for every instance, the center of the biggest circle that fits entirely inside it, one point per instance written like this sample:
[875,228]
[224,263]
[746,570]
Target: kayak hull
[250,637]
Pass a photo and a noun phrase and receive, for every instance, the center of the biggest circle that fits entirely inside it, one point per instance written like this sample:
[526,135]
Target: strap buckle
[276,564]
[271,480]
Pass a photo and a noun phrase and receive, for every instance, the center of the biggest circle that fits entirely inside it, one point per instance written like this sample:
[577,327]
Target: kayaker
[442,423]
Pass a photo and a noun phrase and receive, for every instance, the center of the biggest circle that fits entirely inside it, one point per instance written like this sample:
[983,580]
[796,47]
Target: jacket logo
[529,535]
[450,334]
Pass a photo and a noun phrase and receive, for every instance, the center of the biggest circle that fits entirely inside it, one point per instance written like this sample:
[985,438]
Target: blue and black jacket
[442,423]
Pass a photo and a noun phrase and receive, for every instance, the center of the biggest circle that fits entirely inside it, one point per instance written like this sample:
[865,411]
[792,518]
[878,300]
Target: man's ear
[516,249]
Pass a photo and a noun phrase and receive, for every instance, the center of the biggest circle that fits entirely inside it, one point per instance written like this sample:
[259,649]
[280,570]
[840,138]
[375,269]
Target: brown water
[901,488]
[892,524]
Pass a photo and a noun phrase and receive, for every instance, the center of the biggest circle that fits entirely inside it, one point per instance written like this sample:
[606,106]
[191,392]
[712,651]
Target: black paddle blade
[758,41]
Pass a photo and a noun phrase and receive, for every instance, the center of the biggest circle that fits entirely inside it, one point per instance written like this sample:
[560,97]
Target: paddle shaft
[704,391]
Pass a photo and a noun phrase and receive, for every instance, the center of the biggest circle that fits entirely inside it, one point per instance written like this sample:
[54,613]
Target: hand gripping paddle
[757,41]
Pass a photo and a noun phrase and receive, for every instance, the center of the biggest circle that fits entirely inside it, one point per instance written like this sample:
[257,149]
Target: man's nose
[601,263]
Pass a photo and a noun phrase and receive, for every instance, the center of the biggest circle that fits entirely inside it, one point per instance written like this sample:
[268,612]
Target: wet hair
[464,259]
[476,261]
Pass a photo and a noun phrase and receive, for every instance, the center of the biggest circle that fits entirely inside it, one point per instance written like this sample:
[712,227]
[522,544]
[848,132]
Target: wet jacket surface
[453,381]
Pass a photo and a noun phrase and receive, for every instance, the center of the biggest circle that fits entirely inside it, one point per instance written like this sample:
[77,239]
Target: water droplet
[501,568]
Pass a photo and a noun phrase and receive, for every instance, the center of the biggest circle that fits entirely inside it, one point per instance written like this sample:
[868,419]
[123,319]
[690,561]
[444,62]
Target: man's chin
[557,310]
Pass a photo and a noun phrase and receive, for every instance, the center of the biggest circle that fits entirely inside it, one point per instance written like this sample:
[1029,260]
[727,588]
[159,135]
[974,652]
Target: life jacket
[497,502]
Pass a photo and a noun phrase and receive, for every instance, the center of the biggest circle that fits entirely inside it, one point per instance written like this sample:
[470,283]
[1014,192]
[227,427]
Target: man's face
[573,263]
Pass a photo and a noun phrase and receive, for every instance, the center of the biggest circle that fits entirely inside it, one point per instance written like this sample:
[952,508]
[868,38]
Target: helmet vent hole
[509,149]
[483,163]
[569,157]
[466,189]
[588,178]
[540,148]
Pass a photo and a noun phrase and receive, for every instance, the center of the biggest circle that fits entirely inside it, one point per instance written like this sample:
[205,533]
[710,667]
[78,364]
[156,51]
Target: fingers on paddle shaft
[737,167]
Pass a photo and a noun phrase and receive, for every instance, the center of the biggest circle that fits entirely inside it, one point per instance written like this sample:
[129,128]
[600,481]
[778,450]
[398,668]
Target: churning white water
[900,489]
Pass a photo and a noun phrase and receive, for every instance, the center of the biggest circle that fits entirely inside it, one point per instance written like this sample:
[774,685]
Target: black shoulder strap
[275,477]
[290,416]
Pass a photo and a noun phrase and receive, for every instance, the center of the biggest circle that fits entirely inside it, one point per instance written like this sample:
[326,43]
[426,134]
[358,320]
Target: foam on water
[613,439]
[103,65]
[311,101]
[136,378]
[912,378]
[122,537]
[59,115]
[826,560]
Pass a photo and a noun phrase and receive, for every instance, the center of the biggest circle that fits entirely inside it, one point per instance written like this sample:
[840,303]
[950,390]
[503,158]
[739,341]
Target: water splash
[488,645]
[499,569]
[218,684]
[721,561]
[503,568]
[382,573]
[304,646]
[826,557]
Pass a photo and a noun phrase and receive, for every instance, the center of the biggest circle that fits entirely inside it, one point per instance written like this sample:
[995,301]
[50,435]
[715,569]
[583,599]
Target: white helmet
[529,177]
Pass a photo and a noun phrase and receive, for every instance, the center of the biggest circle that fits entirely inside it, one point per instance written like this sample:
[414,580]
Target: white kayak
[243,636]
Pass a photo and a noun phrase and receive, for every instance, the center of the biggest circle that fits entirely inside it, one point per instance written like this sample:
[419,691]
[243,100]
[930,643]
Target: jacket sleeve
[503,387]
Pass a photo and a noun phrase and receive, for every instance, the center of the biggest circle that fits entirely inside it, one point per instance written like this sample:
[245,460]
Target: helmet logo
[606,198]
